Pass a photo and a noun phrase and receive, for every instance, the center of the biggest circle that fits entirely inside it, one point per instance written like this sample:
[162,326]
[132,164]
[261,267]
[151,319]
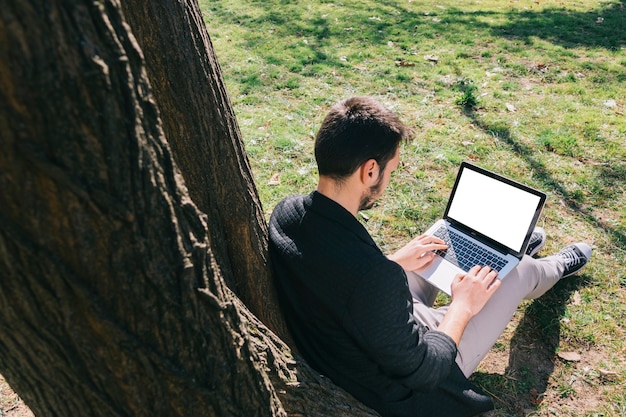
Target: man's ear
[369,172]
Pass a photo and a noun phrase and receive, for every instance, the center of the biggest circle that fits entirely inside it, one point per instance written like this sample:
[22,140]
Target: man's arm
[382,323]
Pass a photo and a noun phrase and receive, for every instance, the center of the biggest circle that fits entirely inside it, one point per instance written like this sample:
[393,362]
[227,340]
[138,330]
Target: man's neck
[344,193]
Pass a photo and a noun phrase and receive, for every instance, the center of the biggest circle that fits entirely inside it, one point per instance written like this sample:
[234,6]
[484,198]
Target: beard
[369,198]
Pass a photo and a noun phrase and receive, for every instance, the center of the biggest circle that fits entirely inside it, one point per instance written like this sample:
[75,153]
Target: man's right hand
[418,253]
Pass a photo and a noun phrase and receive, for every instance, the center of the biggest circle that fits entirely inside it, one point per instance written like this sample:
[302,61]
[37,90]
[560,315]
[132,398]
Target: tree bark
[112,298]
[201,128]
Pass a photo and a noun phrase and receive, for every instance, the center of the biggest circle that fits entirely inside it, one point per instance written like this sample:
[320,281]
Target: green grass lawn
[534,89]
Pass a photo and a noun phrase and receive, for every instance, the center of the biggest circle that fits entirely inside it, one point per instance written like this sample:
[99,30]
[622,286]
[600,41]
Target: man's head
[357,131]
[354,131]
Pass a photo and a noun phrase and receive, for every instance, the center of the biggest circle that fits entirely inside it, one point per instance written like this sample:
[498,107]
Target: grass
[534,90]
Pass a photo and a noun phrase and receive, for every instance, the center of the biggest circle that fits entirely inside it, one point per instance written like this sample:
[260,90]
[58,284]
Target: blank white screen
[499,211]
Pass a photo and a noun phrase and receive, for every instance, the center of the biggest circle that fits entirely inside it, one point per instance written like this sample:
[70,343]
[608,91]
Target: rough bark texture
[111,299]
[202,130]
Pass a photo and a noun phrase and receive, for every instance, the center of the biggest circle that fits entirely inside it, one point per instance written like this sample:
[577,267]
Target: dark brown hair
[354,131]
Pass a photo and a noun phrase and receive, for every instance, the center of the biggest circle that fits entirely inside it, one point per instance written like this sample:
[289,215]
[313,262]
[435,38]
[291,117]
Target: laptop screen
[495,207]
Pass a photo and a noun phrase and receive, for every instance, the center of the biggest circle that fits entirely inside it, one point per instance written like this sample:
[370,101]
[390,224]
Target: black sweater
[351,314]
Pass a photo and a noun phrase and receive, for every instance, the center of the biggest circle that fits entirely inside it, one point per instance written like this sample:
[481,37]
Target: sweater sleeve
[380,311]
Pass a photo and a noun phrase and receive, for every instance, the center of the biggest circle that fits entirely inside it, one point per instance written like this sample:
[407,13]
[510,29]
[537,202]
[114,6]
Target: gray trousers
[529,280]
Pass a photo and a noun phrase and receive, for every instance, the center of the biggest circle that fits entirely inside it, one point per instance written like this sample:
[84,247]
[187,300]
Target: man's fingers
[484,274]
[482,271]
[430,239]
[474,270]
[493,286]
[485,271]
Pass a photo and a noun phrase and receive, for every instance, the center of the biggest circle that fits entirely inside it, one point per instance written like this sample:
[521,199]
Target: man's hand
[475,288]
[470,293]
[418,253]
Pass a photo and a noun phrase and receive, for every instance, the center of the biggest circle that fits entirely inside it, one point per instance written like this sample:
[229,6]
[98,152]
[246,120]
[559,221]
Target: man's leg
[531,279]
[422,291]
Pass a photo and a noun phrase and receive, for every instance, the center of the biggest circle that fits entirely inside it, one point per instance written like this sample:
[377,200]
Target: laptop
[495,234]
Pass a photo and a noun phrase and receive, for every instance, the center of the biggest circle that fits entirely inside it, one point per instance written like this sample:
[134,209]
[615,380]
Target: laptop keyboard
[464,253]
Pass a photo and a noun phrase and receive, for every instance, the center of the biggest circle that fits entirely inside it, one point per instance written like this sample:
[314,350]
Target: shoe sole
[541,244]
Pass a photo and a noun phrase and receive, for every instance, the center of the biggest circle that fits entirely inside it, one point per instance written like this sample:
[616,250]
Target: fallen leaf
[569,356]
[467,143]
[431,58]
[510,107]
[605,374]
[275,180]
[577,299]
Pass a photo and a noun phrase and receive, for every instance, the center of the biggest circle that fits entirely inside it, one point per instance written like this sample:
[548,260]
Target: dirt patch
[10,403]
[527,372]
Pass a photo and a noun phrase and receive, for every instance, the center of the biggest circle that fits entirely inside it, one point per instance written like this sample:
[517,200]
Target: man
[350,308]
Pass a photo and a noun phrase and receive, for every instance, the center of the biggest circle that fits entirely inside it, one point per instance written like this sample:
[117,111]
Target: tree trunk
[202,131]
[112,294]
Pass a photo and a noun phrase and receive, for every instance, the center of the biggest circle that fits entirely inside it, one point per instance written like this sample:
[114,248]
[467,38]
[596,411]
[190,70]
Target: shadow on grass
[536,339]
[374,24]
[606,174]
[532,352]
[602,27]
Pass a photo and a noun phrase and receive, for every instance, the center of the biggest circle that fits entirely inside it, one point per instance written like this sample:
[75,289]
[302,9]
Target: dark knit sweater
[351,314]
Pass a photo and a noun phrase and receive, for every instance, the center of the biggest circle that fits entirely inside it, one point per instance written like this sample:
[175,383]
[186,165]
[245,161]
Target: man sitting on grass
[350,308]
